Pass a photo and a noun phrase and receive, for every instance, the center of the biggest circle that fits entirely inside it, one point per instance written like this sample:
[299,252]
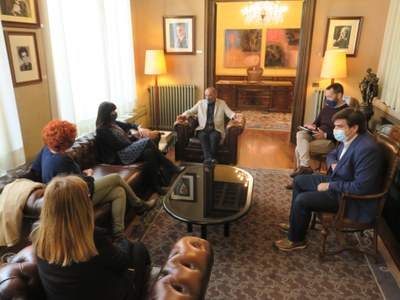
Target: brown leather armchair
[388,137]
[184,275]
[188,147]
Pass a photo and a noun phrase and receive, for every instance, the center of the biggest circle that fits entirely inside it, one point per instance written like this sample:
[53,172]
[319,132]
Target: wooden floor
[266,149]
[263,149]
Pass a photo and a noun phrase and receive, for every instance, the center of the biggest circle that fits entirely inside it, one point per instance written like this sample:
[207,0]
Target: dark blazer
[103,277]
[108,144]
[358,172]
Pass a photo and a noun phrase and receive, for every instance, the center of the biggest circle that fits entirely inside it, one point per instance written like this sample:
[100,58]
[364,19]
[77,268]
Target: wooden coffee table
[210,195]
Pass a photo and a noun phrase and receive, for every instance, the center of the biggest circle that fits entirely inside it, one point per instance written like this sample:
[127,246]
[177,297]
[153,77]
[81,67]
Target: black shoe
[207,161]
[146,205]
[214,162]
[162,190]
[179,169]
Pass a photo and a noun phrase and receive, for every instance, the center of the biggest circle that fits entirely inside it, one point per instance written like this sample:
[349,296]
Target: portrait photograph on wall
[343,33]
[179,35]
[23,57]
[19,13]
[242,48]
[282,48]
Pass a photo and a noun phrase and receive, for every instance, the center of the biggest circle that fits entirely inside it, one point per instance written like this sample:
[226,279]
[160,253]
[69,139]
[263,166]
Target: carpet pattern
[248,266]
[258,119]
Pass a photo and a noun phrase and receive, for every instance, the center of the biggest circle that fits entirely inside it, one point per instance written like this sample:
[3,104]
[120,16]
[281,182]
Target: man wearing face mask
[211,114]
[320,140]
[356,168]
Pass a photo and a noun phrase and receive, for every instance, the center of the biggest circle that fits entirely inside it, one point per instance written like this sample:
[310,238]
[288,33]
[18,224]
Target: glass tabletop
[210,194]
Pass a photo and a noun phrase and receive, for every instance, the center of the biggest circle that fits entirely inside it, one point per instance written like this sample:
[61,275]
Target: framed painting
[343,33]
[242,48]
[23,57]
[178,34]
[185,188]
[282,48]
[19,13]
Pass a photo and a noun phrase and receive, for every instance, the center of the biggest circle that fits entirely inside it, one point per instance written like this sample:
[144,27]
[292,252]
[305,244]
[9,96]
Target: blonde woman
[77,260]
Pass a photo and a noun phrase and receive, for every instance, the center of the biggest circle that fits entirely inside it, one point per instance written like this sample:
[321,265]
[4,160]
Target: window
[90,49]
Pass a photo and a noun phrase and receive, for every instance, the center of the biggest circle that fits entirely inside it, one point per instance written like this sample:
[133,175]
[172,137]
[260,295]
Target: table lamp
[155,65]
[334,65]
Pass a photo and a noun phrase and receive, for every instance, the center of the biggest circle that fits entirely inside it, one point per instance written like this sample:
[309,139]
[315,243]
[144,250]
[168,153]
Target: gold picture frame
[179,35]
[19,13]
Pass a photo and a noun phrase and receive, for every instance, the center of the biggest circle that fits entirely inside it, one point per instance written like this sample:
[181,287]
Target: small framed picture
[343,33]
[179,35]
[185,188]
[19,13]
[23,57]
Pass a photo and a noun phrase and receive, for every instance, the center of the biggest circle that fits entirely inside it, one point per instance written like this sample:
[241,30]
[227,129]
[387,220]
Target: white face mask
[339,135]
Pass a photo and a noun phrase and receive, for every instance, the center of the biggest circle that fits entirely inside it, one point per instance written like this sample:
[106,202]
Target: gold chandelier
[263,13]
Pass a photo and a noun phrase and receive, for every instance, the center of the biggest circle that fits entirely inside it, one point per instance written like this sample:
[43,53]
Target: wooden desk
[274,96]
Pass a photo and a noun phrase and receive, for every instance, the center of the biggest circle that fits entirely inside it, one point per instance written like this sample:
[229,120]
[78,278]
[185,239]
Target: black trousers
[209,139]
[154,158]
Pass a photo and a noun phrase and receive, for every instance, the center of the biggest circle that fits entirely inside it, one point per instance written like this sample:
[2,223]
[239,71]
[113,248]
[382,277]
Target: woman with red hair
[52,160]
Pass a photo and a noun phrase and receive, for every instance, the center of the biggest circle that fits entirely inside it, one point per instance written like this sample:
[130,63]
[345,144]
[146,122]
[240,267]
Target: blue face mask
[339,135]
[330,102]
[114,117]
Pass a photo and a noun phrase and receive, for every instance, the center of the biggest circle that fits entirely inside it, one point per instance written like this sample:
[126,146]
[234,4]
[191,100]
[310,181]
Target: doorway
[300,84]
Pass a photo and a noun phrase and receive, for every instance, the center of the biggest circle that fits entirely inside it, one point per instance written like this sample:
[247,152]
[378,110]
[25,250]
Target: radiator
[319,101]
[173,100]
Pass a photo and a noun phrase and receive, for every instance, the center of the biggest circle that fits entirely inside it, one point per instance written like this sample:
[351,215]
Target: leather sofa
[84,152]
[184,275]
[188,147]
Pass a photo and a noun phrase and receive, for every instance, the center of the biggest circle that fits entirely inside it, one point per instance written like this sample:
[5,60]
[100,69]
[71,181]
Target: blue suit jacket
[358,172]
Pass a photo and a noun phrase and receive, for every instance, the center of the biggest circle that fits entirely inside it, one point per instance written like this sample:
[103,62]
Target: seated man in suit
[211,114]
[356,166]
[321,140]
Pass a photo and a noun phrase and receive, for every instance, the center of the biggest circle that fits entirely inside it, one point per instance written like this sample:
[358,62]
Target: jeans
[112,188]
[305,200]
[209,139]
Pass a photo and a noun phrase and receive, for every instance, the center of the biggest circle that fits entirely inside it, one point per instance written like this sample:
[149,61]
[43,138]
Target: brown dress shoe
[301,170]
[287,245]
[284,227]
[289,186]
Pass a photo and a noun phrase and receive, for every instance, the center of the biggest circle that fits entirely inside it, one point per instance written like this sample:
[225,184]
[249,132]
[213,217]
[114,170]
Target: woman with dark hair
[52,160]
[116,146]
[77,260]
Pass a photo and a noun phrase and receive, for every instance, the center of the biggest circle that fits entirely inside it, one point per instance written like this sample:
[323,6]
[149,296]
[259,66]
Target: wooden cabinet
[267,95]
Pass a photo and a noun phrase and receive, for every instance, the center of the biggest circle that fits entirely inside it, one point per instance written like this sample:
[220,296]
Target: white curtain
[90,49]
[11,147]
[389,64]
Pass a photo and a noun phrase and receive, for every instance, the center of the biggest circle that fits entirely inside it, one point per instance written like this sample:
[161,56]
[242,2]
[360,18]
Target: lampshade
[334,65]
[155,62]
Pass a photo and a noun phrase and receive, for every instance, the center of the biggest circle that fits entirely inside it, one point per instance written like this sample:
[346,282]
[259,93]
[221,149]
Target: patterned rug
[247,266]
[258,119]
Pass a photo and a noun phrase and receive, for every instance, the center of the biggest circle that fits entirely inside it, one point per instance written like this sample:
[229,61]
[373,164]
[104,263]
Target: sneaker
[286,245]
[302,170]
[146,205]
[284,227]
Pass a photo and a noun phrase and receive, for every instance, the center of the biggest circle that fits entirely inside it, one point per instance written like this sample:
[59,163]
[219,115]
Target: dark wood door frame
[300,88]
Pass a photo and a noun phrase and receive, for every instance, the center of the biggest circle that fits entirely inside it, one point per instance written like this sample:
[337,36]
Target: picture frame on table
[185,188]
[23,57]
[179,34]
[343,33]
[19,13]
